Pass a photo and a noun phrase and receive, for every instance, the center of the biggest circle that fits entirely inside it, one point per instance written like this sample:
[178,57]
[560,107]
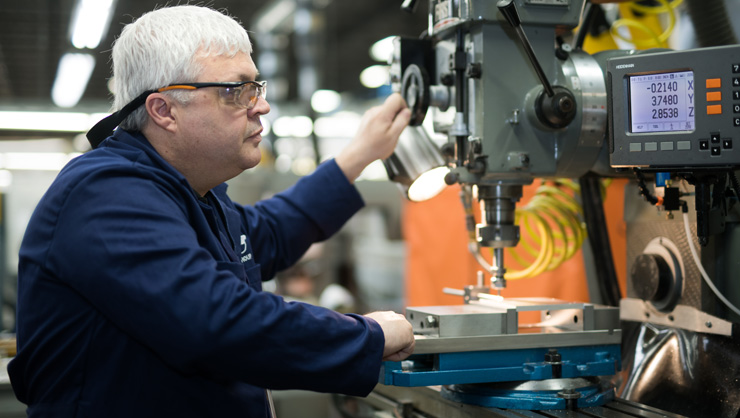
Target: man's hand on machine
[399,335]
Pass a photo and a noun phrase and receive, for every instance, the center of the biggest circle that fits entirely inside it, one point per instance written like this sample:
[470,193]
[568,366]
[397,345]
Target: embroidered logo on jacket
[245,257]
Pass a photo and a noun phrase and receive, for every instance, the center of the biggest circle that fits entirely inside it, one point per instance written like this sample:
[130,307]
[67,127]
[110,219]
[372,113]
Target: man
[140,280]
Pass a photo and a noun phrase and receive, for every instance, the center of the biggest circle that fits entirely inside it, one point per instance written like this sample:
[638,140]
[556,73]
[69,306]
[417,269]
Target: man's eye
[229,92]
[250,90]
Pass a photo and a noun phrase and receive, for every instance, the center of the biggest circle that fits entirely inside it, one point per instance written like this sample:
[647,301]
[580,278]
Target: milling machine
[518,103]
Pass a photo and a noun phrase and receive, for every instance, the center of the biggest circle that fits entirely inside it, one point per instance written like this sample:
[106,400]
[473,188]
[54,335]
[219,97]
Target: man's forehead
[226,67]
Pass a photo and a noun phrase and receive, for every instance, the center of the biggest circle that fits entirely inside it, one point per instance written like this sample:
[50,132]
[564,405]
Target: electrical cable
[559,232]
[588,16]
[703,272]
[644,191]
[735,184]
[598,236]
[712,22]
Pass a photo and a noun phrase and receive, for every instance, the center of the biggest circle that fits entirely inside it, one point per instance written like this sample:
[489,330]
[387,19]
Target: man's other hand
[376,137]
[399,335]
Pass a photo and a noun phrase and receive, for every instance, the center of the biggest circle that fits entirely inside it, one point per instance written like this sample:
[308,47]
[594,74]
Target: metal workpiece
[492,315]
[400,402]
[431,345]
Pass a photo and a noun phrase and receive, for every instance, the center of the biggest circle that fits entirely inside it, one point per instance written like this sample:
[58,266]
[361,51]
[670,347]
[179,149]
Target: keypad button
[736,108]
[736,121]
[714,136]
[736,82]
[714,83]
[736,68]
[727,144]
[736,94]
[703,144]
[716,151]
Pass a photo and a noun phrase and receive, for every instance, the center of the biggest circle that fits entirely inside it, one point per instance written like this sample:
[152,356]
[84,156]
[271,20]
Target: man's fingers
[400,122]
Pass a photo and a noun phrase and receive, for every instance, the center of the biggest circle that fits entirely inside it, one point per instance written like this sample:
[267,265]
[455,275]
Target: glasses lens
[230,94]
[251,93]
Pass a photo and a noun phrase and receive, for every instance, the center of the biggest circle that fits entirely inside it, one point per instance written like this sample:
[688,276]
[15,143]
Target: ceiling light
[375,76]
[49,121]
[73,73]
[325,101]
[44,161]
[339,125]
[266,126]
[293,126]
[382,50]
[274,15]
[6,179]
[90,21]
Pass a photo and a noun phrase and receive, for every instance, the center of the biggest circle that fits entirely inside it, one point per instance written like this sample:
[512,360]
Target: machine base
[406,402]
[534,395]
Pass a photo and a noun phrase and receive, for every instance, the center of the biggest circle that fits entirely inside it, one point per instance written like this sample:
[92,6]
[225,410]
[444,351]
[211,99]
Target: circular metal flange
[534,394]
[657,274]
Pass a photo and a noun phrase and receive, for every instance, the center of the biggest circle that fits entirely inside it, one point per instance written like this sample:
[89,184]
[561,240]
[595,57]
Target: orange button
[714,83]
[714,110]
[714,96]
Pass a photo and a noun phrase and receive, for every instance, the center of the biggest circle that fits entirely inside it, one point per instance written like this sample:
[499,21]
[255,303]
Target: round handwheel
[415,90]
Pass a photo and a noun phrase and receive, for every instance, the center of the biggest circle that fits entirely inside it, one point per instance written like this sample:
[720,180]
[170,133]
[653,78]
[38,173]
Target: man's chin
[252,161]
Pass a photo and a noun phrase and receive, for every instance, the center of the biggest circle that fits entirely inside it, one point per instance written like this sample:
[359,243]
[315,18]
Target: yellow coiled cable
[654,40]
[551,225]
[552,229]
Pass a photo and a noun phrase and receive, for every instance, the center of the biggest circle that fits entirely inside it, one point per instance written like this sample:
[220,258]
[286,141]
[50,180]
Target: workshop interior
[559,222]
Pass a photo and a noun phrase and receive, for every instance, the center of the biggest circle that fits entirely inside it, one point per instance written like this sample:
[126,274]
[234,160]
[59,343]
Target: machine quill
[518,103]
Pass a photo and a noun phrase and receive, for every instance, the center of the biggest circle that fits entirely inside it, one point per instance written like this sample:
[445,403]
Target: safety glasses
[243,94]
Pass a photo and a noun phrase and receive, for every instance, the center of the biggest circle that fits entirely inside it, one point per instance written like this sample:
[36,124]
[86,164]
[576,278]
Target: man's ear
[159,108]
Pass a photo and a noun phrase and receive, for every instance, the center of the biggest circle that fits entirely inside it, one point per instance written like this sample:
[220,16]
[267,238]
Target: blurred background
[325,67]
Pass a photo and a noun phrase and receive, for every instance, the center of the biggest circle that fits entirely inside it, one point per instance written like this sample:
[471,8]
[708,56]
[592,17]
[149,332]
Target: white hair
[160,48]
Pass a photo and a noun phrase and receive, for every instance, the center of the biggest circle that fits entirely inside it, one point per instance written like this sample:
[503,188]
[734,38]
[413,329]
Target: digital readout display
[662,102]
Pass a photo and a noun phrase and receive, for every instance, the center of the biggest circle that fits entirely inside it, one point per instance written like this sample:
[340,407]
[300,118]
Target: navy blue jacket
[137,298]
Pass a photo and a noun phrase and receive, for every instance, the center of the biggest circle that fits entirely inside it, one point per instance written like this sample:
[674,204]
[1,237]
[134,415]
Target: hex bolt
[571,398]
[554,359]
[431,321]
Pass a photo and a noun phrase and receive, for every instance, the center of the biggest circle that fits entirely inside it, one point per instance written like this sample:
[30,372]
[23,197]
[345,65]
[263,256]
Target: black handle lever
[408,6]
[508,9]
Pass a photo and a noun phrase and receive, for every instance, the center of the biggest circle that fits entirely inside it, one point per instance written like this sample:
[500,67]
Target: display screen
[662,102]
